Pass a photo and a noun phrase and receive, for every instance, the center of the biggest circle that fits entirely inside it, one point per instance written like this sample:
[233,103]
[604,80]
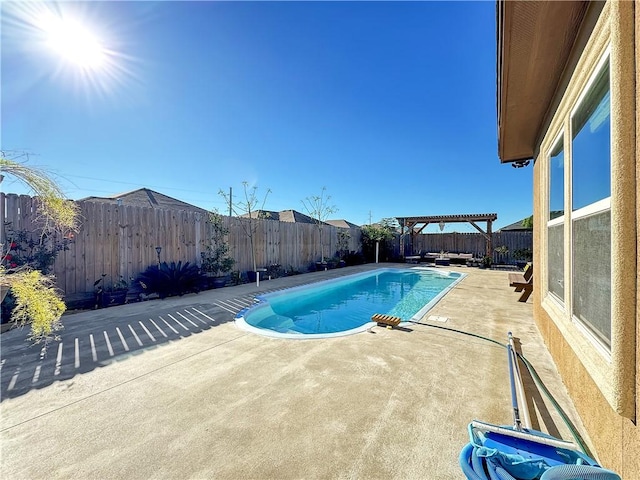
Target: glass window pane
[556,182]
[556,261]
[591,147]
[592,273]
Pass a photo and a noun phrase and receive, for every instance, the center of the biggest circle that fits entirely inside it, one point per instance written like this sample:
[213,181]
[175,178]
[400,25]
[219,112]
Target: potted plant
[487,261]
[502,252]
[216,262]
[112,294]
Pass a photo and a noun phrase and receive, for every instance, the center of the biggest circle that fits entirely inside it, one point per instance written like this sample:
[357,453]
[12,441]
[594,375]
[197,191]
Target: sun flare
[74,42]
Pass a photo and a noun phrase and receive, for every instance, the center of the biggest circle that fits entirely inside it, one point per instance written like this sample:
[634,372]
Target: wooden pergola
[415,225]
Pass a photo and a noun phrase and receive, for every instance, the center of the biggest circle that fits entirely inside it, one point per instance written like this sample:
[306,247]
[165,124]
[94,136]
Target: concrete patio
[212,401]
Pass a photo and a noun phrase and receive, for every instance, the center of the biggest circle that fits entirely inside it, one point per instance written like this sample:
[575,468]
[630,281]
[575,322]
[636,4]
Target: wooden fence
[118,240]
[121,240]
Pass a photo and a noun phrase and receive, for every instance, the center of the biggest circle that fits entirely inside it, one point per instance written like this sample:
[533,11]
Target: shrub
[37,302]
[523,254]
[38,254]
[215,258]
[171,279]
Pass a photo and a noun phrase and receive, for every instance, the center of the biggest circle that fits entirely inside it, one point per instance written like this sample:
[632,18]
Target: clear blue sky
[389,105]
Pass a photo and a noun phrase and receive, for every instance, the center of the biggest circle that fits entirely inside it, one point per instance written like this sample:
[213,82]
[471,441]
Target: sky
[389,106]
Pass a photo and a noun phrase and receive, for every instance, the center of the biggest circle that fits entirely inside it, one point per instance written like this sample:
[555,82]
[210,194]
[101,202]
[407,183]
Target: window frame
[599,206]
[560,220]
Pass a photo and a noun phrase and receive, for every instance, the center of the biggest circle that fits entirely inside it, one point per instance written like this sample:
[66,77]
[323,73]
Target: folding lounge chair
[519,278]
[527,290]
[523,282]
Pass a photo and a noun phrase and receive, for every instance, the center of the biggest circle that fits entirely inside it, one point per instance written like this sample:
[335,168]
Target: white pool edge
[423,311]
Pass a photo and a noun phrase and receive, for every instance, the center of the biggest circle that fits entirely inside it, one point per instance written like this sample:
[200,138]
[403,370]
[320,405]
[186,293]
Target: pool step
[386,319]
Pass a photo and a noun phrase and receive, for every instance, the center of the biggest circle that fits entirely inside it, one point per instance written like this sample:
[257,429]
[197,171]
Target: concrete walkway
[173,389]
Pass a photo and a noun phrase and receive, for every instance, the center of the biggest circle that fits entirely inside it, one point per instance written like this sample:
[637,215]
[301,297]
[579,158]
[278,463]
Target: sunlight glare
[74,42]
[79,43]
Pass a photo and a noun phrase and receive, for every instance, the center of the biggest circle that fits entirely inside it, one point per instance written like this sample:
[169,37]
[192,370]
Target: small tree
[215,258]
[248,208]
[373,235]
[319,209]
[528,222]
[343,244]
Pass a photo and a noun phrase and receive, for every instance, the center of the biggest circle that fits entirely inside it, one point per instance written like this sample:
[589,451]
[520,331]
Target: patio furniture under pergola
[415,225]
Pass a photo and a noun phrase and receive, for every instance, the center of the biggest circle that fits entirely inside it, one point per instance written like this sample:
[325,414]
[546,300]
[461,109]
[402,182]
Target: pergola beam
[484,234]
[420,229]
[421,222]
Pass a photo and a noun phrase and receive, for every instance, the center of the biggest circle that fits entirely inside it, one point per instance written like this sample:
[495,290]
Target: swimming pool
[344,306]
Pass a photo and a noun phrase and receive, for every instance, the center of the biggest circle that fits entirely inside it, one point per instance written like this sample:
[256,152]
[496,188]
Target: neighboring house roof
[144,197]
[533,37]
[516,227]
[295,217]
[291,216]
[342,224]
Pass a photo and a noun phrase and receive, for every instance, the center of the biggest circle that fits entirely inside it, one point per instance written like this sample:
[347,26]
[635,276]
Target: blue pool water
[344,306]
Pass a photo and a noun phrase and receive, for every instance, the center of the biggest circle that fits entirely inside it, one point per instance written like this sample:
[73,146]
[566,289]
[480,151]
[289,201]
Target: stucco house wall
[603,381]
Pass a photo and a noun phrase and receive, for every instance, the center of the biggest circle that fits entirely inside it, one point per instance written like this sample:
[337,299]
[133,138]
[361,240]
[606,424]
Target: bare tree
[248,208]
[319,209]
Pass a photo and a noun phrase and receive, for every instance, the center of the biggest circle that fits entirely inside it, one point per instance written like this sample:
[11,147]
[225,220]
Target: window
[591,127]
[591,209]
[555,224]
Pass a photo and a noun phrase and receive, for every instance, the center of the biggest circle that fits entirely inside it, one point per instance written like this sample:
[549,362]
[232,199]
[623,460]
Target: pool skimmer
[437,318]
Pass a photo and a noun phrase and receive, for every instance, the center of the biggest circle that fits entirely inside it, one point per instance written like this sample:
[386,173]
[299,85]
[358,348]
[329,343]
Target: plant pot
[117,297]
[251,275]
[218,282]
[211,280]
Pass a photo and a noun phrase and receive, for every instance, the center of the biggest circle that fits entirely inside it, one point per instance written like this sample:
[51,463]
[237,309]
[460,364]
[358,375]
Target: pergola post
[489,240]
